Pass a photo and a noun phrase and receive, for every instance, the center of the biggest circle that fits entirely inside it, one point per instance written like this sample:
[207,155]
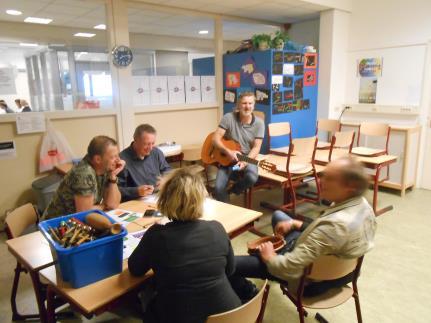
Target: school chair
[16,222]
[251,312]
[341,146]
[326,268]
[330,126]
[279,129]
[376,132]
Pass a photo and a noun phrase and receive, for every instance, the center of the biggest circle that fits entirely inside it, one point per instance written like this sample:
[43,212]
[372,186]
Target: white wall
[398,31]
[306,32]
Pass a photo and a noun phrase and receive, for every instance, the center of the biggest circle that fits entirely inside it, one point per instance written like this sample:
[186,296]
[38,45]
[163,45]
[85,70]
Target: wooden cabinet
[404,143]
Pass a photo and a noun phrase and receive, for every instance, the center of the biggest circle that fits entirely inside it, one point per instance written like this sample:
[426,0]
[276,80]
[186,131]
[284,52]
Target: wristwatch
[113,181]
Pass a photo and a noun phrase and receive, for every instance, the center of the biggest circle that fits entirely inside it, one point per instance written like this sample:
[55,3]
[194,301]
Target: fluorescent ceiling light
[203,32]
[13,12]
[87,35]
[36,20]
[28,44]
[101,26]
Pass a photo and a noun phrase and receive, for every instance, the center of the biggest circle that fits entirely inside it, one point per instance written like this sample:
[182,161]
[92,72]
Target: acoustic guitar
[210,154]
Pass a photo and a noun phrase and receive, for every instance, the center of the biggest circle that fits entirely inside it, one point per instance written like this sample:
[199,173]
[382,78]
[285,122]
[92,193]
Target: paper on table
[123,216]
[159,90]
[130,242]
[152,199]
[176,89]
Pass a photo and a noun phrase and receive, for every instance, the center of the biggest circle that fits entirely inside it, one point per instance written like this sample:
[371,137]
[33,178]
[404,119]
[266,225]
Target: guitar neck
[247,159]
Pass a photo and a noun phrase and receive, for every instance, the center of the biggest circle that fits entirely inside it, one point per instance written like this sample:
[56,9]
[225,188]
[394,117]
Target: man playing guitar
[243,127]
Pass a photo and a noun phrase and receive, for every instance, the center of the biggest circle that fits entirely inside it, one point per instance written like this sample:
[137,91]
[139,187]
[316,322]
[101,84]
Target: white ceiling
[84,14]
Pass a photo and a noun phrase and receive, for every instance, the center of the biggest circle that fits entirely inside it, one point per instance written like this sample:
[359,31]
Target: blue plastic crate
[89,262]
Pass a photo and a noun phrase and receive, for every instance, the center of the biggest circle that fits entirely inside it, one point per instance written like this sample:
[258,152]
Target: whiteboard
[402,74]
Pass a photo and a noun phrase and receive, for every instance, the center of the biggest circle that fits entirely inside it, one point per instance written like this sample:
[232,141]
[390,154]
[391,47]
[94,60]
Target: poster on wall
[7,81]
[288,95]
[262,96]
[277,97]
[310,78]
[159,90]
[176,89]
[233,79]
[288,69]
[248,67]
[287,81]
[193,89]
[259,78]
[208,89]
[229,96]
[368,90]
[277,69]
[370,67]
[277,57]
[141,90]
[310,60]
[299,69]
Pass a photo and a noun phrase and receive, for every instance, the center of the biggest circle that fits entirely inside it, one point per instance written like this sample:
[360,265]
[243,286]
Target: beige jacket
[345,230]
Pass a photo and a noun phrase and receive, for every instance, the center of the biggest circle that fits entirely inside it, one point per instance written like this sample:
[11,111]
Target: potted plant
[279,40]
[261,41]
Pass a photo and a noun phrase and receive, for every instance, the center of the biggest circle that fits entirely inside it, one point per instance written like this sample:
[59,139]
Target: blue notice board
[285,85]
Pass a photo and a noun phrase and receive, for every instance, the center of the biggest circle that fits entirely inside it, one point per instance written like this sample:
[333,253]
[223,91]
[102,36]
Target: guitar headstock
[270,167]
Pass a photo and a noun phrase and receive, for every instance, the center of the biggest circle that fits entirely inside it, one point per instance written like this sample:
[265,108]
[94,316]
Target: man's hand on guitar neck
[232,154]
[242,165]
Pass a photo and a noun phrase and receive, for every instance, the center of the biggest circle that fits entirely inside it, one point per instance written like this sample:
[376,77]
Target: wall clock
[122,56]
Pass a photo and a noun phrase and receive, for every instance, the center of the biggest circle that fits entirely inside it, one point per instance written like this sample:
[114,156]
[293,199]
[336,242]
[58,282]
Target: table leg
[37,286]
[50,305]
[376,190]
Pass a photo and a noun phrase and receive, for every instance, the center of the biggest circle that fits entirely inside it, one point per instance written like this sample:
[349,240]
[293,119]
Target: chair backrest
[374,130]
[304,149]
[331,267]
[20,219]
[328,125]
[247,313]
[279,129]
[341,144]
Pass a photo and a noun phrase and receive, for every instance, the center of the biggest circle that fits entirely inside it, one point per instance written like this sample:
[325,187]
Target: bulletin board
[284,83]
[400,82]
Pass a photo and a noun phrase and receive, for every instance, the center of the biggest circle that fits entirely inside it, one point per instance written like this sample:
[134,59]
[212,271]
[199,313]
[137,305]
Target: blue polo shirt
[140,171]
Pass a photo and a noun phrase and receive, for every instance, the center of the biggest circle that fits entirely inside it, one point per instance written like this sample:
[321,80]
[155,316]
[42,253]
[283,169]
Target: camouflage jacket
[80,180]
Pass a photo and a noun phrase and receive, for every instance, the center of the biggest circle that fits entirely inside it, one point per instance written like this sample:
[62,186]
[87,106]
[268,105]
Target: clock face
[122,56]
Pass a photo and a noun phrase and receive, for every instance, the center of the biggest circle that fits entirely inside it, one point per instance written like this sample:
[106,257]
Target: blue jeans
[243,180]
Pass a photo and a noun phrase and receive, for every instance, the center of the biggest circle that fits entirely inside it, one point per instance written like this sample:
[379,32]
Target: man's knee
[279,216]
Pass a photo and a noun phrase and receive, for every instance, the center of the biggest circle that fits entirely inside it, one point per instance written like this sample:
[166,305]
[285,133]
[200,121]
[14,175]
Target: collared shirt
[140,171]
[345,230]
[244,134]
[81,180]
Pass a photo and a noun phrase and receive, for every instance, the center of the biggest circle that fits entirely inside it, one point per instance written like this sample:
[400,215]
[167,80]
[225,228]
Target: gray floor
[393,287]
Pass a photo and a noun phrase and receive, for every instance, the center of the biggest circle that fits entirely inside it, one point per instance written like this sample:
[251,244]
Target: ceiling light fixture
[101,26]
[203,32]
[86,35]
[13,12]
[36,20]
[28,44]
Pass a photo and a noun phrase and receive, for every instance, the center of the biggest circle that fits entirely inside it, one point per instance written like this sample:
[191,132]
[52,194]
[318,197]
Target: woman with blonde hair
[191,258]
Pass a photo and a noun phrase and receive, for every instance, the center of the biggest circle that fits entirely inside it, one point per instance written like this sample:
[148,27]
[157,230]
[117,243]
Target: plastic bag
[55,149]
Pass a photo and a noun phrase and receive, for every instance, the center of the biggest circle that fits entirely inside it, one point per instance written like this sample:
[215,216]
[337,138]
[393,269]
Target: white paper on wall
[159,90]
[288,69]
[7,81]
[176,89]
[193,89]
[141,90]
[277,79]
[208,89]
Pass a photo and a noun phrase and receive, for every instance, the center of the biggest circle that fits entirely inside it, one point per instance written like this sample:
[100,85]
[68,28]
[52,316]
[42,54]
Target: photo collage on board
[291,72]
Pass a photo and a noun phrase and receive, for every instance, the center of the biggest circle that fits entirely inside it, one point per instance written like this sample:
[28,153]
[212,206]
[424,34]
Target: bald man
[346,229]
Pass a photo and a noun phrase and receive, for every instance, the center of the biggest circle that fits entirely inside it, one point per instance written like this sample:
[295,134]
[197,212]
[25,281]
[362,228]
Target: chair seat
[323,145]
[297,168]
[332,298]
[365,151]
[281,150]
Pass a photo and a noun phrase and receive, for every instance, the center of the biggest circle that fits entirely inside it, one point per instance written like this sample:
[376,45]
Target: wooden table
[33,252]
[375,163]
